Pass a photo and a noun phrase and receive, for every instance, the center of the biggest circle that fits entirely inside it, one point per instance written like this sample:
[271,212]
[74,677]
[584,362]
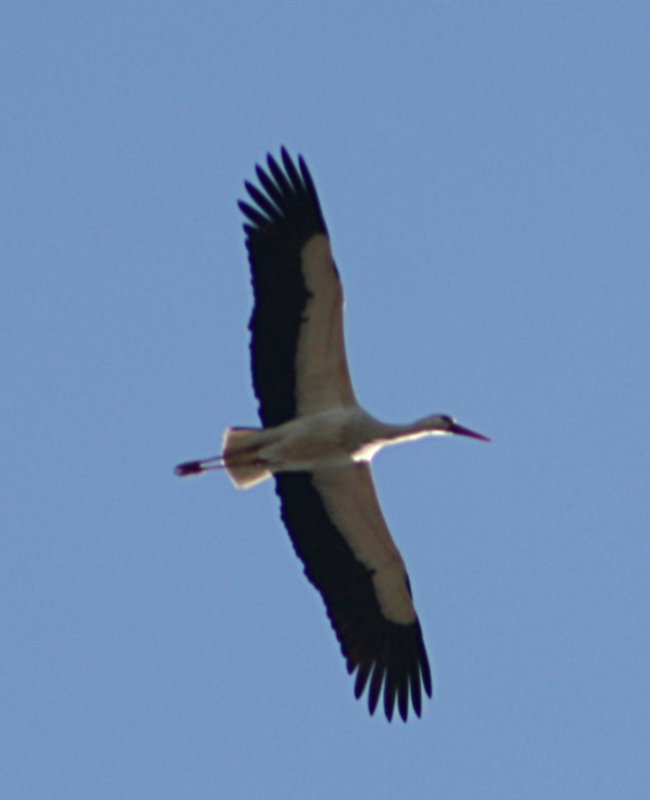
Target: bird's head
[444,424]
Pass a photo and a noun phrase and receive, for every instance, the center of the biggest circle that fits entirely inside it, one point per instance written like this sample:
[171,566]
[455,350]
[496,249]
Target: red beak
[466,432]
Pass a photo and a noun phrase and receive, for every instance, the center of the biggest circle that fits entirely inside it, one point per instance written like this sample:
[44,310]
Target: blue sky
[484,172]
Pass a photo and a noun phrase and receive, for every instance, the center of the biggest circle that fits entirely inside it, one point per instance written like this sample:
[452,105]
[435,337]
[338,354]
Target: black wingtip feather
[255,216]
[425,671]
[375,687]
[390,691]
[362,678]
[306,176]
[268,207]
[401,695]
[292,172]
[279,176]
[416,694]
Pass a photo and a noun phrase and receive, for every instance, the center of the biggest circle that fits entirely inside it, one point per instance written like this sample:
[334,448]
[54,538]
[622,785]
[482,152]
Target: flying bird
[317,441]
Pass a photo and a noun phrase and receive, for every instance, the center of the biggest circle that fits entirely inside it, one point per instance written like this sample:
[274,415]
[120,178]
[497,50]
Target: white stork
[318,442]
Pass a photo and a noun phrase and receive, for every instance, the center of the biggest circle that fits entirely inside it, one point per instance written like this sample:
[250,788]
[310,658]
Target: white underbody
[333,438]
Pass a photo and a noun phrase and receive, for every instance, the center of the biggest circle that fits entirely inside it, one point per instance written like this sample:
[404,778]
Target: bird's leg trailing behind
[197,467]
[240,458]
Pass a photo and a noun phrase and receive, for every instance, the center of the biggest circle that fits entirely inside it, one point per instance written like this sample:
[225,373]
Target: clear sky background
[484,172]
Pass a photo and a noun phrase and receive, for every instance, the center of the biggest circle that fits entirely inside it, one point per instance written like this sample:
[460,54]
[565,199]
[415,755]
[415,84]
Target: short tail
[240,454]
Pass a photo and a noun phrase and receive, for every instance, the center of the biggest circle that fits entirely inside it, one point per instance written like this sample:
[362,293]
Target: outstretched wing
[297,347]
[338,530]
